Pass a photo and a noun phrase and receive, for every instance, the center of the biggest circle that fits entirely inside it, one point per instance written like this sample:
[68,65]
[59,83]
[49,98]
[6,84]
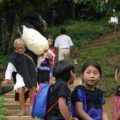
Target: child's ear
[72,74]
[72,77]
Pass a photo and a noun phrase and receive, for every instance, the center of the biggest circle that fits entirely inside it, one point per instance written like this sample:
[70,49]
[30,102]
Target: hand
[49,55]
[4,83]
[74,118]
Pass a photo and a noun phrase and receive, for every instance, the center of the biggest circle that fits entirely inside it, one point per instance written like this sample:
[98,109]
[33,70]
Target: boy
[64,75]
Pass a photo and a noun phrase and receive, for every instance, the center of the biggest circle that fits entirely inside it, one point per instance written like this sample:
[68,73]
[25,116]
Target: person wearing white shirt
[63,44]
[19,84]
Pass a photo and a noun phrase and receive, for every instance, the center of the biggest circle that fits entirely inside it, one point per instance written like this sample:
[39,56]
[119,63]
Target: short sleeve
[63,90]
[77,95]
[103,99]
[56,43]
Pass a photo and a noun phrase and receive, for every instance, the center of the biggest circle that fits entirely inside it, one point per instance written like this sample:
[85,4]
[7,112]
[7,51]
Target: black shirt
[59,89]
[25,66]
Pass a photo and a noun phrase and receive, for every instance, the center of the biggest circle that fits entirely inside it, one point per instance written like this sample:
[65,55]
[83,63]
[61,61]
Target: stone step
[11,92]
[14,112]
[14,106]
[20,118]
[12,100]
[9,95]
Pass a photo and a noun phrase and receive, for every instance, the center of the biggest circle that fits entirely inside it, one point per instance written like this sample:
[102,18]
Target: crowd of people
[28,70]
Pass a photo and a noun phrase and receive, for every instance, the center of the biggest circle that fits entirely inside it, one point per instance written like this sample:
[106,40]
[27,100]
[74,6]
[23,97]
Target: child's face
[20,48]
[50,42]
[90,76]
[72,77]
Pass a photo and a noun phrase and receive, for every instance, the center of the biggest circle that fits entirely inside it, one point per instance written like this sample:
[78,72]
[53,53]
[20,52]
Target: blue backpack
[40,99]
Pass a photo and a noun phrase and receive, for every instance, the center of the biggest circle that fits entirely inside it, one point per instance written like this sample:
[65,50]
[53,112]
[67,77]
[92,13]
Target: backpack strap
[39,89]
[52,107]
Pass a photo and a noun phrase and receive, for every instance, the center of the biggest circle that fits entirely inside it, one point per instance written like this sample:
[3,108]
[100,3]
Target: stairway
[12,107]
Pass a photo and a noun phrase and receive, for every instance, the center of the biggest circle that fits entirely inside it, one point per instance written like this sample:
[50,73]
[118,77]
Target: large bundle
[31,26]
[34,41]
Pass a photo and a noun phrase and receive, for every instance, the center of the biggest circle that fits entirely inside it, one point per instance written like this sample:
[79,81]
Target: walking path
[101,41]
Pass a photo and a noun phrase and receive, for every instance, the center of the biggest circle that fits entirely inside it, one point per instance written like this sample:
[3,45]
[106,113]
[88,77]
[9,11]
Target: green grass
[83,32]
[3,63]
[2,109]
[3,60]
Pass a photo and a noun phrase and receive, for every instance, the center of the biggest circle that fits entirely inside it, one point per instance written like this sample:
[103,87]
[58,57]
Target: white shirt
[63,41]
[114,20]
[8,75]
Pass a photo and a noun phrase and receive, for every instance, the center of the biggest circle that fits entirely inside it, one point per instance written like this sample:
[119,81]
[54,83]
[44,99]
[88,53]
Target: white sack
[34,41]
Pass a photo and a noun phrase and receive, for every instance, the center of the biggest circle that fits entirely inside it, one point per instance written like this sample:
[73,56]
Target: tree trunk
[4,35]
[14,34]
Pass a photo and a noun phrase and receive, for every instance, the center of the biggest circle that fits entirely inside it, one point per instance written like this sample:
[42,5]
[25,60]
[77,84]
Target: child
[50,42]
[45,67]
[88,101]
[116,109]
[63,72]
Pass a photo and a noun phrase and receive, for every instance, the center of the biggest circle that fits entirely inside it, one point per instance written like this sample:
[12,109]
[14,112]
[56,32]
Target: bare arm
[56,52]
[104,115]
[116,116]
[80,112]
[64,109]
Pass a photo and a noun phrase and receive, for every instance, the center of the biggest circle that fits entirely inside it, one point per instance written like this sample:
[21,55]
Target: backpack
[39,106]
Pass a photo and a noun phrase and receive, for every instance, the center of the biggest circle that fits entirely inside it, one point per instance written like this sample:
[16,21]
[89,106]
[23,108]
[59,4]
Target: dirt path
[100,42]
[109,106]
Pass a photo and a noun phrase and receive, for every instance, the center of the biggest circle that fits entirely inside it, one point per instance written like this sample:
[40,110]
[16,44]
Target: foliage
[82,32]
[99,5]
[2,109]
[3,60]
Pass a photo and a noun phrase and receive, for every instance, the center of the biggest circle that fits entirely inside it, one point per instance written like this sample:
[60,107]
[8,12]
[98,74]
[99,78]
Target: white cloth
[64,54]
[34,41]
[114,20]
[63,41]
[8,75]
[41,58]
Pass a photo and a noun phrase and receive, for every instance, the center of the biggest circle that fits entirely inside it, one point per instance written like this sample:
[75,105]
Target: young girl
[88,101]
[45,68]
[59,92]
[116,108]
[50,42]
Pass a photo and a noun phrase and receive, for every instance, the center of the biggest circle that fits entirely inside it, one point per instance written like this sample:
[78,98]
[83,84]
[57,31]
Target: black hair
[61,70]
[63,31]
[93,63]
[50,37]
[32,20]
